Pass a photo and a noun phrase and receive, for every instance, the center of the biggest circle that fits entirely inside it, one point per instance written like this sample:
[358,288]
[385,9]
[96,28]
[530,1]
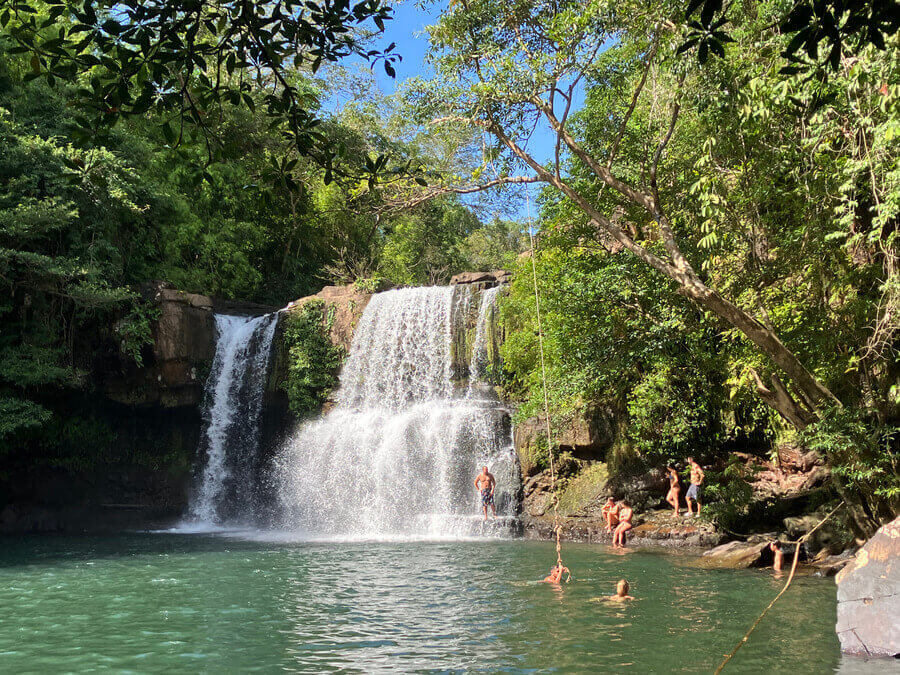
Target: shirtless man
[556,573]
[625,515]
[693,493]
[622,589]
[610,513]
[485,483]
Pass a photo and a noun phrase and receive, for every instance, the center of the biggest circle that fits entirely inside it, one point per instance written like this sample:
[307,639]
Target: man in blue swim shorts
[485,483]
[693,493]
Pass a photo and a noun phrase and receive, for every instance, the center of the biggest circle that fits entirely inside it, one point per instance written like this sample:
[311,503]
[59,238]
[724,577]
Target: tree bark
[778,398]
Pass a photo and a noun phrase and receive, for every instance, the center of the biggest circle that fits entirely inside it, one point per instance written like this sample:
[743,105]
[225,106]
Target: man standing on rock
[693,493]
[485,483]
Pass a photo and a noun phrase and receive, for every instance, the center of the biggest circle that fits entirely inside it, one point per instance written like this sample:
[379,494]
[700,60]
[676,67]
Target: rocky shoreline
[659,529]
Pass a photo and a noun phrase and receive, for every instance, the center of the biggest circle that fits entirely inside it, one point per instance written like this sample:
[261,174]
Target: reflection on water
[200,603]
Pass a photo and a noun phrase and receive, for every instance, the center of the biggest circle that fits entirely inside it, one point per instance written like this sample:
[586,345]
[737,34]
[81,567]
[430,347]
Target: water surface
[181,603]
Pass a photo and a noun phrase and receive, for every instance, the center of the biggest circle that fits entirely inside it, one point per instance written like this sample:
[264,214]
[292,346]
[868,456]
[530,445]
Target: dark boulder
[868,594]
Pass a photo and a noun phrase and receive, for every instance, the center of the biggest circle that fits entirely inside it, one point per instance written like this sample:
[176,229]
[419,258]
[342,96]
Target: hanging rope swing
[540,331]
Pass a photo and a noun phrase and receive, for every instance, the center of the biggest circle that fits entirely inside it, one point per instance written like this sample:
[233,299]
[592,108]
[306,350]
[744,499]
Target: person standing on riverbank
[625,515]
[693,493]
[485,483]
[674,488]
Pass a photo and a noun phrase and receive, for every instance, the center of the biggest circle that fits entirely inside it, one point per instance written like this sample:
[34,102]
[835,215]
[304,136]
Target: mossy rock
[583,489]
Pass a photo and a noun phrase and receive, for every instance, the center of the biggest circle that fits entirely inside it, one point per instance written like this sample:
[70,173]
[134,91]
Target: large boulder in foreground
[868,613]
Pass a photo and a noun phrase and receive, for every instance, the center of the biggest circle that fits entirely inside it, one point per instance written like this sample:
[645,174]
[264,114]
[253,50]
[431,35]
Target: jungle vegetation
[718,240]
[717,222]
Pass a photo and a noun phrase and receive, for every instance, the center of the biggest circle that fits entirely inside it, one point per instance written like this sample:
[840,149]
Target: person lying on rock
[610,513]
[622,589]
[626,513]
[693,493]
[556,573]
[778,557]
[674,488]
[485,483]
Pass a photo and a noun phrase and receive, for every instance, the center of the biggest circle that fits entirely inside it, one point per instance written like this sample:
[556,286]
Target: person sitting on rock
[674,488]
[622,589]
[556,573]
[625,515]
[610,513]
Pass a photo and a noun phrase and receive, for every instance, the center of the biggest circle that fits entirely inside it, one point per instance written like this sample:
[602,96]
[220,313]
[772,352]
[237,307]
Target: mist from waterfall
[398,453]
[232,405]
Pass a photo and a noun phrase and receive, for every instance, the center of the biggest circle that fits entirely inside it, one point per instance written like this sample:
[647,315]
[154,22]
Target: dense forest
[84,227]
[716,230]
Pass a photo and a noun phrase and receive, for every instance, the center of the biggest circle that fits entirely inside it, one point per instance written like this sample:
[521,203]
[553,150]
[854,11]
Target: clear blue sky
[407,30]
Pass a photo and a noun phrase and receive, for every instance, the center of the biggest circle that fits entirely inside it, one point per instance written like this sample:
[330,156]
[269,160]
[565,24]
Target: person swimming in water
[674,488]
[610,513]
[485,483]
[622,589]
[556,573]
[625,515]
[777,557]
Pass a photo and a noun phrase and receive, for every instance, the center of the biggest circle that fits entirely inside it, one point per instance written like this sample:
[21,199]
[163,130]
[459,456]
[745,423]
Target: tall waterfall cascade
[225,490]
[398,453]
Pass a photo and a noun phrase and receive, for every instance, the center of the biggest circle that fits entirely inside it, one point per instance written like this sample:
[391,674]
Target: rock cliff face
[482,279]
[347,304]
[184,342]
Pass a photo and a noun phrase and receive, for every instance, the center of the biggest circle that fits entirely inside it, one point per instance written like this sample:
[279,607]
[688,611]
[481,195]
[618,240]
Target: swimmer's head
[775,545]
[484,469]
[622,587]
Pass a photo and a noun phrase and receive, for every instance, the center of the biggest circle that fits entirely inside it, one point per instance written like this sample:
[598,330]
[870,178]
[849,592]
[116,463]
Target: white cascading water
[479,347]
[233,398]
[398,454]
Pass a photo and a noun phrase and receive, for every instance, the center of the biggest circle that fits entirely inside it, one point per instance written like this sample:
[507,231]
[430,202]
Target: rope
[537,307]
[790,578]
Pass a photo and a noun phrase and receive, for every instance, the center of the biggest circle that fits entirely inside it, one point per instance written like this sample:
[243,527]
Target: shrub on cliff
[313,361]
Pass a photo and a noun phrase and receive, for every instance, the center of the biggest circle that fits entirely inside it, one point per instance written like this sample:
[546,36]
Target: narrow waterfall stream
[398,453]
[226,487]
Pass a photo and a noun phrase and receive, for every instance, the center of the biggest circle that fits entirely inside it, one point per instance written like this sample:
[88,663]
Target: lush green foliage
[313,361]
[767,198]
[179,61]
[84,229]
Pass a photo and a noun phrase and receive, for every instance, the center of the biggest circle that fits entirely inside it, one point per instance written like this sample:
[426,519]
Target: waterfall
[480,353]
[398,453]
[233,401]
